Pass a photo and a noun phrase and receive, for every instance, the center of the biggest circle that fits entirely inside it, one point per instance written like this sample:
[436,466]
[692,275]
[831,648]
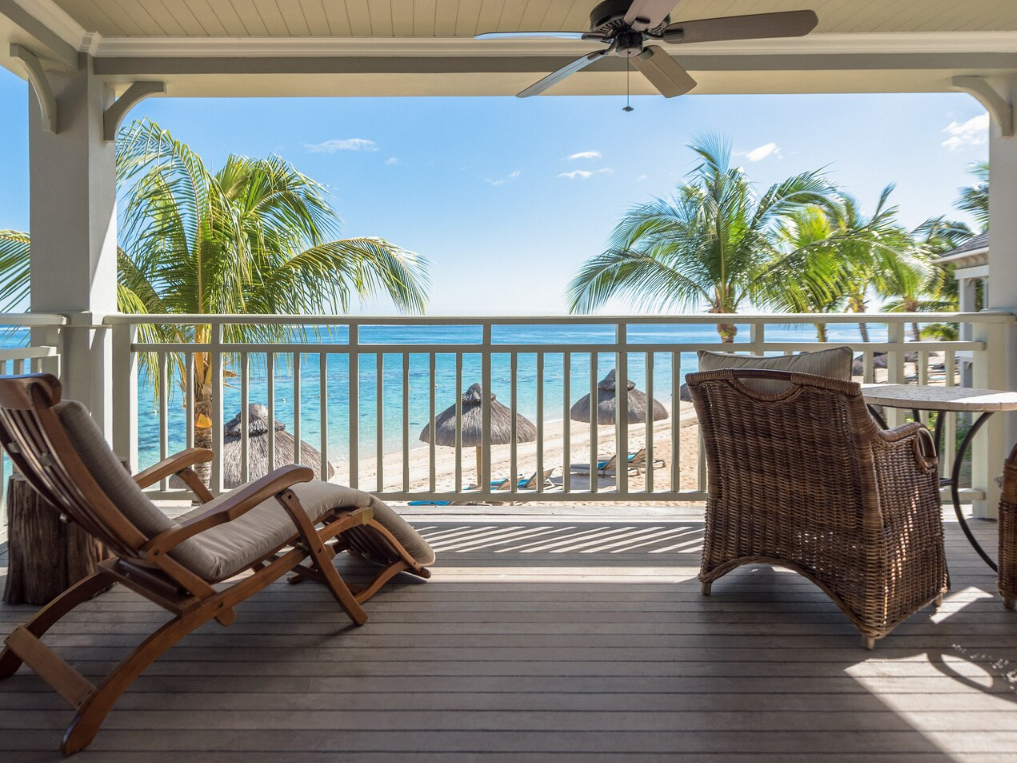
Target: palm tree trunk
[863,329]
[202,413]
[916,333]
[821,335]
[727,332]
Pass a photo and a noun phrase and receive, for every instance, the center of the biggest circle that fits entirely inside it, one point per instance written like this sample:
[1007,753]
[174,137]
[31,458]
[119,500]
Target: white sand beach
[554,452]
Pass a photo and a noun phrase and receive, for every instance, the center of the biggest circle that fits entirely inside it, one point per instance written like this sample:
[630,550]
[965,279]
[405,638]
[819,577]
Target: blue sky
[486,189]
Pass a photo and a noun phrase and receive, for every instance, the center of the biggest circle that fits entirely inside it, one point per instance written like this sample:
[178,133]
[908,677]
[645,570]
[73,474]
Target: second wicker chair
[805,479]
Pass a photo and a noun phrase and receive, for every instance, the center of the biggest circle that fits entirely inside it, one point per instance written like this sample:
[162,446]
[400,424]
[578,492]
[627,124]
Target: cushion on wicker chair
[834,363]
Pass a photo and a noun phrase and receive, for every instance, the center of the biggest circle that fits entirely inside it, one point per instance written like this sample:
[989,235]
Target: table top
[939,398]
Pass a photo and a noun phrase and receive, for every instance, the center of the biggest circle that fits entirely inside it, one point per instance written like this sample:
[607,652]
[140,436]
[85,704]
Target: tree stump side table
[45,554]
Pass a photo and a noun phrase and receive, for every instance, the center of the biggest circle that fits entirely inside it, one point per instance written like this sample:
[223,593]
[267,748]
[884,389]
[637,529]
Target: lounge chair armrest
[177,464]
[235,505]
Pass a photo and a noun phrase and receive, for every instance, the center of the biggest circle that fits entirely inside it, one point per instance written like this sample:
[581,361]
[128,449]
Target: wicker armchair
[805,479]
[1008,532]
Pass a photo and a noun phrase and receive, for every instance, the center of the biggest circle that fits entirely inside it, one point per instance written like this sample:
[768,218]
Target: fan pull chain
[628,77]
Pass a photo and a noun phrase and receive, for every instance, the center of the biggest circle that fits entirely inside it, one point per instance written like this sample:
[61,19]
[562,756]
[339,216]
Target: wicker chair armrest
[922,445]
[236,504]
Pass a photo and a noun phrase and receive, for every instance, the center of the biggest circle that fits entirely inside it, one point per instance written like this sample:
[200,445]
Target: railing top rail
[32,319]
[697,318]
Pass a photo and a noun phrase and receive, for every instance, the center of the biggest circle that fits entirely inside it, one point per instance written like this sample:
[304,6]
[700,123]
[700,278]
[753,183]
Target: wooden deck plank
[519,655]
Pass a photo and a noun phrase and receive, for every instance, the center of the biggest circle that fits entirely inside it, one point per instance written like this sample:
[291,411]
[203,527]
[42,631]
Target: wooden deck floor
[549,639]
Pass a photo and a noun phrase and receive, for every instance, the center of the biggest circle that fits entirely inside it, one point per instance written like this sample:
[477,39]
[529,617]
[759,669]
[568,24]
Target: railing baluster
[270,393]
[323,412]
[540,426]
[566,423]
[245,418]
[594,470]
[189,397]
[215,363]
[621,412]
[406,422]
[163,413]
[379,421]
[459,422]
[484,479]
[296,409]
[868,367]
[949,430]
[432,466]
[513,408]
[676,431]
[650,424]
[354,404]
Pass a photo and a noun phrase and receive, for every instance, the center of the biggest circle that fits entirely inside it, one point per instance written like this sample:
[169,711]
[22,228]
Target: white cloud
[392,160]
[502,181]
[762,152]
[585,174]
[346,144]
[584,155]
[974,132]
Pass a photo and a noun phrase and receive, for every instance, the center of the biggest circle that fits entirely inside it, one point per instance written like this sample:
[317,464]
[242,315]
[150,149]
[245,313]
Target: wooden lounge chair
[269,527]
[609,467]
[805,479]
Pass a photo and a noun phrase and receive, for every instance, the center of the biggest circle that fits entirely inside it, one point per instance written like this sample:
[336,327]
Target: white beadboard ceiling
[464,18]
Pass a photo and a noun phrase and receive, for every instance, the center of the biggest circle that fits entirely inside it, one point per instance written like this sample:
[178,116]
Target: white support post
[73,227]
[990,445]
[1002,296]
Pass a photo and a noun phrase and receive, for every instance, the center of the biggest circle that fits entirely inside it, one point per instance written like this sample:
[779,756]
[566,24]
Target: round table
[915,398]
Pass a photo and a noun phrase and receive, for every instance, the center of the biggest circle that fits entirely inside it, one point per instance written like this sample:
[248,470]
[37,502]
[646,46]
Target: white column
[1002,296]
[74,232]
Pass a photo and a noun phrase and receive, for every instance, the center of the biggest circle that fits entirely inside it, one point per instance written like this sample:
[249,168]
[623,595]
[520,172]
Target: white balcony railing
[29,343]
[360,389]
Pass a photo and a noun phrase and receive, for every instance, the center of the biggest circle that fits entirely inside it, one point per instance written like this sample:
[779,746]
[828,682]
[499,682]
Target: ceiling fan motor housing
[608,18]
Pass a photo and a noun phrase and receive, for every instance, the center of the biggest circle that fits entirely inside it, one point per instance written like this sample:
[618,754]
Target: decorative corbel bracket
[115,114]
[999,107]
[40,85]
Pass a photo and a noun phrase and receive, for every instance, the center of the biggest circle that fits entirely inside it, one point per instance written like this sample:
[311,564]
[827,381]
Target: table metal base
[953,481]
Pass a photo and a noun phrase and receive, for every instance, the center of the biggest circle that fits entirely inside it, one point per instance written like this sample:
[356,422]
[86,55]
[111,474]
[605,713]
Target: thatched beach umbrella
[606,404]
[257,448]
[473,425]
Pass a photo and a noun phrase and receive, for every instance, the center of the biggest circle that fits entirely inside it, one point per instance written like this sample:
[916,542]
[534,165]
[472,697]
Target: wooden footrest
[65,680]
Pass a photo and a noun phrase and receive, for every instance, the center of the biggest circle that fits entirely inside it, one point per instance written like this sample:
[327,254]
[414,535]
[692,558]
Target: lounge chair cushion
[229,548]
[108,472]
[835,363]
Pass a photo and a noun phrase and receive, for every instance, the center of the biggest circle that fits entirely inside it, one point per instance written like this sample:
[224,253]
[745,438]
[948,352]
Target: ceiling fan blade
[646,14]
[555,77]
[539,36]
[754,27]
[664,73]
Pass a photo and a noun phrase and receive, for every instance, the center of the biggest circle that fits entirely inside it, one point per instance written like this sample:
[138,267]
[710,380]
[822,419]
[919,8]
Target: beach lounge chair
[608,467]
[524,483]
[282,523]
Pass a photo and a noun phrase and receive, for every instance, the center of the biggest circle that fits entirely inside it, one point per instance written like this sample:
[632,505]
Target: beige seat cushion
[834,363]
[229,548]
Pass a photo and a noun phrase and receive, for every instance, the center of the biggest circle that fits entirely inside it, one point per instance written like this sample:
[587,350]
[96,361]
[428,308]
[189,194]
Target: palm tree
[714,243]
[975,199]
[866,253]
[255,237]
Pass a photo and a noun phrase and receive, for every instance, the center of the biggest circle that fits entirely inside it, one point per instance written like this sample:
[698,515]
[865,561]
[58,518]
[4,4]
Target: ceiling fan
[625,26]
